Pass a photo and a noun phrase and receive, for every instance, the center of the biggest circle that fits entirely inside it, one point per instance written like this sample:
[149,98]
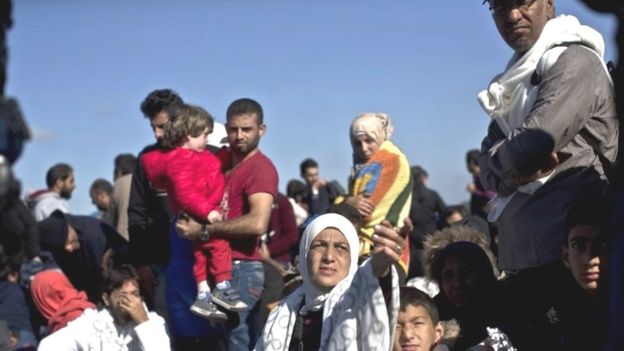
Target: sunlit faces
[458,281]
[158,124]
[114,299]
[415,330]
[244,133]
[67,186]
[365,147]
[585,254]
[329,259]
[72,243]
[197,143]
[521,25]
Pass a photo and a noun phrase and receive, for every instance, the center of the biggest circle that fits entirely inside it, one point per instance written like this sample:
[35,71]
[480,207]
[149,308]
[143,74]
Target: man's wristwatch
[203,233]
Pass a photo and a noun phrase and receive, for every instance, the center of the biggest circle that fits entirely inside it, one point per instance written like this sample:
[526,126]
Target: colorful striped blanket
[386,177]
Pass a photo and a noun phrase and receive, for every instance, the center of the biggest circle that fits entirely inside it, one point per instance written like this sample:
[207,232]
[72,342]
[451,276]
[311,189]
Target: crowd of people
[193,247]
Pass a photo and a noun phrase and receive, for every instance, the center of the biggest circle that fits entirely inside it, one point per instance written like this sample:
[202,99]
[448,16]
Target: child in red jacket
[192,177]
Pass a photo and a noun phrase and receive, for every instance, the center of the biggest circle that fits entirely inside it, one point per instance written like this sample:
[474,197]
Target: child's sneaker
[206,309]
[228,299]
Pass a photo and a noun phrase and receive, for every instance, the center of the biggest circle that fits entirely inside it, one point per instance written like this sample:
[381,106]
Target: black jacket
[427,206]
[149,217]
[18,233]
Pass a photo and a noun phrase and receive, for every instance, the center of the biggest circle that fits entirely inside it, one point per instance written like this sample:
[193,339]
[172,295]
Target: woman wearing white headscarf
[380,186]
[340,306]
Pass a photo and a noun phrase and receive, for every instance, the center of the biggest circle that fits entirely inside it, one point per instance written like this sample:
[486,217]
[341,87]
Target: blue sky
[81,68]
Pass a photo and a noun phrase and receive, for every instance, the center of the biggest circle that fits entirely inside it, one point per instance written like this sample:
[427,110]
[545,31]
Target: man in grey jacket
[552,139]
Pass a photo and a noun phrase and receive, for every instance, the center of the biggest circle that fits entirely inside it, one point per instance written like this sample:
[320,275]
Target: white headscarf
[355,314]
[279,327]
[315,297]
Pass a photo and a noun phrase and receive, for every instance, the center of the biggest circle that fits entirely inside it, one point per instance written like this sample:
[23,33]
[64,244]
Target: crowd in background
[193,247]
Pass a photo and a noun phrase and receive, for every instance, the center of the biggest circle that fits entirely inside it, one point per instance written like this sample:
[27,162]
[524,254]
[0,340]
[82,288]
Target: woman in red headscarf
[57,299]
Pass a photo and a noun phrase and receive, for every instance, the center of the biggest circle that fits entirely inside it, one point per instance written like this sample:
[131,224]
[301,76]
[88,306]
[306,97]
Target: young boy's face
[415,330]
[585,254]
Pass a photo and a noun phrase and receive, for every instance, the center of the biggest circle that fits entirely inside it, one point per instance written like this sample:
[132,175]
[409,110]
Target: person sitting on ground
[339,301]
[418,326]
[192,177]
[57,299]
[459,261]
[583,312]
[123,324]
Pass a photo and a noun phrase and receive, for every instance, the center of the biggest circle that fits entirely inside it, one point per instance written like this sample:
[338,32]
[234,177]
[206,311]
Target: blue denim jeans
[248,279]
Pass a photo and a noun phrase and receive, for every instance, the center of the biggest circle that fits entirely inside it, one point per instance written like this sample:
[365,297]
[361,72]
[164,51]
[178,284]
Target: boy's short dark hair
[124,163]
[102,185]
[245,106]
[116,277]
[412,296]
[587,212]
[158,100]
[60,171]
[307,163]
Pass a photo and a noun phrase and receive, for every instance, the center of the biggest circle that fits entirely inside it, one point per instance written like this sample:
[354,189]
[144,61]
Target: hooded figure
[79,245]
[459,260]
[351,315]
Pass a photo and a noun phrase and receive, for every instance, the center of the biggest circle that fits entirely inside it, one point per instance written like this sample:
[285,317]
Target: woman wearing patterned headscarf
[340,306]
[380,183]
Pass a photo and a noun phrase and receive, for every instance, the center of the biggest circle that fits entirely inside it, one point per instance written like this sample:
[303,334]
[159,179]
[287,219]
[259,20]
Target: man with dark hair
[61,184]
[585,254]
[251,186]
[148,208]
[124,166]
[320,193]
[101,191]
[246,106]
[123,322]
